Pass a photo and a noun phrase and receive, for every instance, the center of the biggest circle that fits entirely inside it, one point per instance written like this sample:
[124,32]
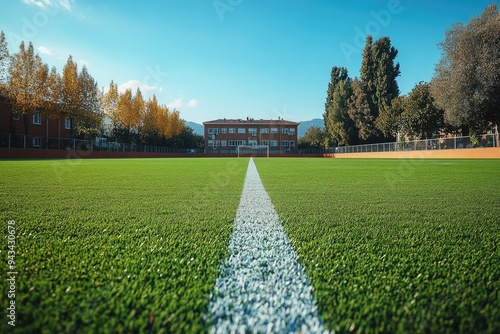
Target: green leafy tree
[385,74]
[341,127]
[337,121]
[186,139]
[373,95]
[466,83]
[420,117]
[314,137]
[388,121]
[360,112]
[337,74]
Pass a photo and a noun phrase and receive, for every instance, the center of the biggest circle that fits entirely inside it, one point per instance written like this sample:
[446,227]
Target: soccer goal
[253,150]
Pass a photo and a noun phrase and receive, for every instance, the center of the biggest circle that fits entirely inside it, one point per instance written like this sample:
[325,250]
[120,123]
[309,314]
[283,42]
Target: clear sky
[233,58]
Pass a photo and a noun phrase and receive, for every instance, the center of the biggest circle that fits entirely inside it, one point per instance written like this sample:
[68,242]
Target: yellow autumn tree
[138,109]
[177,124]
[110,100]
[25,85]
[70,96]
[150,119]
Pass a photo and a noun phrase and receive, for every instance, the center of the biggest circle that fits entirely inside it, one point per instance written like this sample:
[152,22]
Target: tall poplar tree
[4,61]
[376,89]
[337,121]
[360,111]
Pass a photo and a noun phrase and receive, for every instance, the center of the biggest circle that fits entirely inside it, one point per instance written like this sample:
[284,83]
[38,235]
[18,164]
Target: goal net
[253,150]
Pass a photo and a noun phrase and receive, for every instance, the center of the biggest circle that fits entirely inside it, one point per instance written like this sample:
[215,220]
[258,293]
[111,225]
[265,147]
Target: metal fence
[104,145]
[9,140]
[487,140]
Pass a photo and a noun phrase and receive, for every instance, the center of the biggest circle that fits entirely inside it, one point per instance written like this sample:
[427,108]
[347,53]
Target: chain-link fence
[487,140]
[9,140]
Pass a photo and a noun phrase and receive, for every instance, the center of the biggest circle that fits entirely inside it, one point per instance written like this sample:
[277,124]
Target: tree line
[462,97]
[29,85]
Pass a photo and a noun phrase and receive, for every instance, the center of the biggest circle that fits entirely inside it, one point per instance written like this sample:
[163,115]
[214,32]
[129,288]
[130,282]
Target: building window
[252,131]
[284,130]
[210,143]
[241,130]
[264,130]
[292,144]
[285,143]
[274,130]
[223,130]
[213,131]
[232,130]
[15,116]
[292,131]
[223,143]
[252,142]
[274,143]
[67,123]
[264,142]
[236,142]
[37,141]
[37,118]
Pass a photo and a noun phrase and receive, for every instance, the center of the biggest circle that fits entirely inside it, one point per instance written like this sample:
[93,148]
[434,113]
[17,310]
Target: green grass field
[135,245]
[117,245]
[395,245]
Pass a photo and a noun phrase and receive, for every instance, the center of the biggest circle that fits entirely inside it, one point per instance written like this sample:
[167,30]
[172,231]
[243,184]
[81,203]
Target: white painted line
[262,287]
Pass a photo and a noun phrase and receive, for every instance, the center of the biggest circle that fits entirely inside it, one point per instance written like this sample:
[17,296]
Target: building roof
[249,121]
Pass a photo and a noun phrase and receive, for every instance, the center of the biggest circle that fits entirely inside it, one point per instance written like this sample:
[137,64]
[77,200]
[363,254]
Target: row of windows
[37,119]
[234,143]
[252,131]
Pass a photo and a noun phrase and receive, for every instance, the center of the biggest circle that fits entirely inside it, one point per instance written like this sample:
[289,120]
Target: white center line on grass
[262,287]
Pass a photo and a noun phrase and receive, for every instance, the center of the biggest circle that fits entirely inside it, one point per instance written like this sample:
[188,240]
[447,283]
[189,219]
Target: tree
[186,139]
[25,87]
[388,121]
[466,83]
[138,110]
[110,100]
[314,137]
[372,97]
[70,93]
[4,61]
[360,111]
[337,122]
[420,117]
[385,74]
[339,125]
[150,121]
[337,74]
[176,123]
[91,114]
[53,93]
[53,99]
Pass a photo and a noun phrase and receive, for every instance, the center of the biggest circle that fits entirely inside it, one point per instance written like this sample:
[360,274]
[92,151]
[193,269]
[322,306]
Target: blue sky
[233,58]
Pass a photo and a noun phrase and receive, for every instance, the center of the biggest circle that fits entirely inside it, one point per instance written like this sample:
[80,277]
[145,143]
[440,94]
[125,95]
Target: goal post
[253,150]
